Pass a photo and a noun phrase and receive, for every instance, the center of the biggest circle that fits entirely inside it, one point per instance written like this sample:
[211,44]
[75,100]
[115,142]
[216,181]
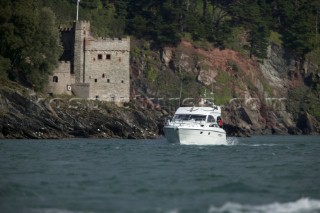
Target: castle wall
[107,69]
[94,68]
[81,90]
[82,33]
[109,44]
[61,80]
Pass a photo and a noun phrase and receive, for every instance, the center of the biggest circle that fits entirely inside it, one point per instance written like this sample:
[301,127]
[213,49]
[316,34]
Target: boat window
[181,117]
[187,117]
[198,117]
[210,119]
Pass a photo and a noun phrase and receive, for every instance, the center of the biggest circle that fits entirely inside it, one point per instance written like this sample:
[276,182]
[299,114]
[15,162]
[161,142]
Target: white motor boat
[196,126]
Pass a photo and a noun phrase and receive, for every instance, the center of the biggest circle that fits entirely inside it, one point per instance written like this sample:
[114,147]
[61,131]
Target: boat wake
[304,205]
[232,141]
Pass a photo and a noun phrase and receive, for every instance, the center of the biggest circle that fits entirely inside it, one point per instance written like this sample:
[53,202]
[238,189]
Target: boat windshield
[188,117]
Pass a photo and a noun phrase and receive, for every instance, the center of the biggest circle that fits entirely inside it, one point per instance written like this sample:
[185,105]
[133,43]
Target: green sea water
[274,174]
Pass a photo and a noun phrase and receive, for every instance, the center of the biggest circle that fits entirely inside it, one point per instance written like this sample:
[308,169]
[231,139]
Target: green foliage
[222,97]
[304,99]
[255,23]
[223,78]
[30,40]
[251,86]
[297,24]
[314,56]
[275,38]
[203,44]
[29,45]
[235,40]
[4,66]
[223,23]
[266,87]
[152,74]
[258,41]
[224,94]
[91,4]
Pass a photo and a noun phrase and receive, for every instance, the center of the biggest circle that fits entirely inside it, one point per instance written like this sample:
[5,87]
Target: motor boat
[196,126]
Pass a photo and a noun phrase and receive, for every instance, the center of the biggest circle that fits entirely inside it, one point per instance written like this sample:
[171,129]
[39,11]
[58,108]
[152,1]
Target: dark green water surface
[275,174]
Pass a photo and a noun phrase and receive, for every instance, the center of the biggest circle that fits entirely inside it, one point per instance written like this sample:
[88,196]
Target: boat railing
[192,123]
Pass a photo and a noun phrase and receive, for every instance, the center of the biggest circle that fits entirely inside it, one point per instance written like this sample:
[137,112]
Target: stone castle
[92,68]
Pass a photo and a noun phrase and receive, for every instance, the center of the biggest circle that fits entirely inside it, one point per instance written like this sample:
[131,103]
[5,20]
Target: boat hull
[195,136]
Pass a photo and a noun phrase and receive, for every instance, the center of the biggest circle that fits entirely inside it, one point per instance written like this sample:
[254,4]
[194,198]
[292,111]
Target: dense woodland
[29,37]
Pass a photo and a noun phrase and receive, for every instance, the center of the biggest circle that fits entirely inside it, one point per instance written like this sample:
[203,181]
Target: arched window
[55,79]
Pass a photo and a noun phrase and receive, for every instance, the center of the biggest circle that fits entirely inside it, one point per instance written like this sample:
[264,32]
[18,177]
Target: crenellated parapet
[109,44]
[82,25]
[63,67]
[67,29]
[115,40]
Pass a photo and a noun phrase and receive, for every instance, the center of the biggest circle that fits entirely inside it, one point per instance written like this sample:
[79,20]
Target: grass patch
[223,78]
[223,95]
[267,88]
[313,56]
[236,41]
[203,44]
[275,38]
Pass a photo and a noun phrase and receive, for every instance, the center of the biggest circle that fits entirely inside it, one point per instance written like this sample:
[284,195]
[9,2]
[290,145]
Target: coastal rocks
[308,124]
[207,75]
[243,121]
[277,66]
[236,131]
[23,117]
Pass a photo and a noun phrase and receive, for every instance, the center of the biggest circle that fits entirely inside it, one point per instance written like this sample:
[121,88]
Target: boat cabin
[198,114]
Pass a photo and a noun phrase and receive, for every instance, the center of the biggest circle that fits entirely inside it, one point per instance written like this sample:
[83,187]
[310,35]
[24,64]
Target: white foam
[172,211]
[257,145]
[304,205]
[232,141]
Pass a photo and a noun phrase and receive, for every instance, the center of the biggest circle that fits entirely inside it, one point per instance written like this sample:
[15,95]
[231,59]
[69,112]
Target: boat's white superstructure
[196,126]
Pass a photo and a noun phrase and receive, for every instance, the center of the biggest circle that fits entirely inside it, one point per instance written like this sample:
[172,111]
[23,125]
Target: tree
[254,23]
[297,21]
[45,51]
[29,39]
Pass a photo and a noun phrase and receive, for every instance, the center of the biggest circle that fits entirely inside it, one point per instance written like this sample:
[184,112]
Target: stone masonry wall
[107,70]
[82,31]
[81,90]
[61,80]
[95,68]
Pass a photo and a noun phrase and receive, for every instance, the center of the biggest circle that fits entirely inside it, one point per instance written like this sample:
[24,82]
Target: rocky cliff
[255,93]
[279,95]
[24,114]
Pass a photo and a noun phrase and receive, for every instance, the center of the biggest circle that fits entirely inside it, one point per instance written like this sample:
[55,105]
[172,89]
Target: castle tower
[92,68]
[82,31]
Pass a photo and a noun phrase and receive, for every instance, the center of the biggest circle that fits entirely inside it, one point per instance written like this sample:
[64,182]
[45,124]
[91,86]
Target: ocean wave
[304,205]
[263,144]
[232,141]
[53,210]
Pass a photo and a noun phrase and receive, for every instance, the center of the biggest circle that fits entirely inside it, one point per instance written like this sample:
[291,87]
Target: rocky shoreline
[24,114]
